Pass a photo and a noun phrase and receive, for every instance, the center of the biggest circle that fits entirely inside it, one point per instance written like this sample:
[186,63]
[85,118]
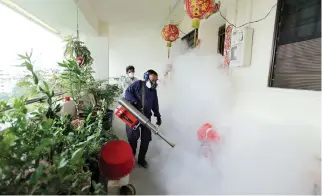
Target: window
[19,35]
[296,61]
[189,38]
[221,39]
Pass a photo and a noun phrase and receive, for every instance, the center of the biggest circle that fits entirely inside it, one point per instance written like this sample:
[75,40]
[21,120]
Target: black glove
[159,121]
[138,106]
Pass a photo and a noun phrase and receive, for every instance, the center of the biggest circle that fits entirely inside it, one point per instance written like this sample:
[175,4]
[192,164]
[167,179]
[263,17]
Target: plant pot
[128,189]
[108,119]
[93,167]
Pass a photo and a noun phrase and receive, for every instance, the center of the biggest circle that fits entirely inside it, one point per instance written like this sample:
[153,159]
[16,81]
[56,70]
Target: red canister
[117,160]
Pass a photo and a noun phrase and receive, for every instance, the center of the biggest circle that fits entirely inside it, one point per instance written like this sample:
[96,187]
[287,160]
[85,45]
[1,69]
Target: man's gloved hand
[138,106]
[159,121]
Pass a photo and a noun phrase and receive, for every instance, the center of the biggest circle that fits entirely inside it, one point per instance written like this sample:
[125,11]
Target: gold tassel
[195,25]
[169,46]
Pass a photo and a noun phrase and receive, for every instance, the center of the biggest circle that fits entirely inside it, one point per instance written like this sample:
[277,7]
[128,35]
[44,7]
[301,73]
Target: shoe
[143,163]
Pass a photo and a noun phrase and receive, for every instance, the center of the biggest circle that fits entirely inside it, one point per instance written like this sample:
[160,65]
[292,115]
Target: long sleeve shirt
[133,94]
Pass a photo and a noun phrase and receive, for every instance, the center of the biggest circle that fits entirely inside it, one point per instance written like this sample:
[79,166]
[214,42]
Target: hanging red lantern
[214,8]
[170,33]
[197,9]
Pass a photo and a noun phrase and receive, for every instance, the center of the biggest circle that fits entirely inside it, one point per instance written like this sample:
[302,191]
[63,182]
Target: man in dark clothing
[143,95]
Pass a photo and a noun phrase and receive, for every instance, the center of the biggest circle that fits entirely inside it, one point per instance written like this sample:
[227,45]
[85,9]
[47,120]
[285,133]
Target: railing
[28,102]
[35,100]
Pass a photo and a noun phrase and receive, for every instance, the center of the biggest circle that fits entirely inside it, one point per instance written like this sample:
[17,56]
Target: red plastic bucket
[117,160]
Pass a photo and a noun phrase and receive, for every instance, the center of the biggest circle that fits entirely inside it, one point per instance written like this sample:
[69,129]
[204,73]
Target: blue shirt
[133,94]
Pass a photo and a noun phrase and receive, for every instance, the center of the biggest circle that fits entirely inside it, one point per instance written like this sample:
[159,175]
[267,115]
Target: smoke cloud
[251,157]
[199,92]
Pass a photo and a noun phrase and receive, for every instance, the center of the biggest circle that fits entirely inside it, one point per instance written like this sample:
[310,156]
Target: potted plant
[78,80]
[48,153]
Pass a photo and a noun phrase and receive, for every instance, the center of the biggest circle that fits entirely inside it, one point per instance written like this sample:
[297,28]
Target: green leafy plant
[108,92]
[76,48]
[77,78]
[49,154]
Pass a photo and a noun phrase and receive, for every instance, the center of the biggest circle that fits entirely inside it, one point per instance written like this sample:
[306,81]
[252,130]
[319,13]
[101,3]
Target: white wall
[99,47]
[138,45]
[255,98]
[292,117]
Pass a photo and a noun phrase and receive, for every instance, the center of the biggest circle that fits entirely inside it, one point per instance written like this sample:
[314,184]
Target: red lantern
[214,7]
[197,9]
[170,33]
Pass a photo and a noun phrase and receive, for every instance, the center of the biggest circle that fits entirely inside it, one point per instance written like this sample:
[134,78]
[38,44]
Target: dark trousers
[133,137]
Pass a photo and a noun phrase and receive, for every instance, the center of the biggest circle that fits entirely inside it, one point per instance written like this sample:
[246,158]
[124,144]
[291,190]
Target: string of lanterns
[196,10]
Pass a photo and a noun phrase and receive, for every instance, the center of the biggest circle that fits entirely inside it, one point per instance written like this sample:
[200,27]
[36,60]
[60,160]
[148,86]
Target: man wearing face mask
[129,79]
[143,95]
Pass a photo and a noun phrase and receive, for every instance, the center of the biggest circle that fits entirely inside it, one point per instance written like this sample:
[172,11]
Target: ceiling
[59,14]
[148,12]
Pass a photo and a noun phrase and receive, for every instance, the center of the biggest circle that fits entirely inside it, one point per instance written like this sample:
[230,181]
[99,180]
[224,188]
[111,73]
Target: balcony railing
[28,102]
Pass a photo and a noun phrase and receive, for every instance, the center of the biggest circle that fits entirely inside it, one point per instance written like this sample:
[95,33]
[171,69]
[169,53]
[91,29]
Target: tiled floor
[143,179]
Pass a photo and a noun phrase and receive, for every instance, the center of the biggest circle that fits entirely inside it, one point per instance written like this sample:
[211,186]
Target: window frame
[276,36]
[274,46]
[221,39]
[187,37]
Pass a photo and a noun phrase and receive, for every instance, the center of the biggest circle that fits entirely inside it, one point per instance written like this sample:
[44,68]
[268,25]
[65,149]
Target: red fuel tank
[127,117]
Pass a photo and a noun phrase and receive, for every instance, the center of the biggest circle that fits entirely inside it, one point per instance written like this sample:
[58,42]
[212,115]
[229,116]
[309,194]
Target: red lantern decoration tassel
[214,7]
[170,33]
[196,9]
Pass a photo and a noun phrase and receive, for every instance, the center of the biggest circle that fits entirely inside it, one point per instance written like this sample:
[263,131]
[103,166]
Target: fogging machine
[134,118]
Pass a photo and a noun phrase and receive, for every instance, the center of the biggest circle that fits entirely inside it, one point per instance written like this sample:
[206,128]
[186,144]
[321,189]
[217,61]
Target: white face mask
[131,75]
[150,85]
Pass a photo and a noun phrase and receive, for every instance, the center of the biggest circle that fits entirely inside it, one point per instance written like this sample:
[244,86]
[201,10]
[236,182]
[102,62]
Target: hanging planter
[196,10]
[170,33]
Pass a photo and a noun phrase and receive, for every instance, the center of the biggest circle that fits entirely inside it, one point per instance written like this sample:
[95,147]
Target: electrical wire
[170,11]
[182,31]
[77,22]
[255,21]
